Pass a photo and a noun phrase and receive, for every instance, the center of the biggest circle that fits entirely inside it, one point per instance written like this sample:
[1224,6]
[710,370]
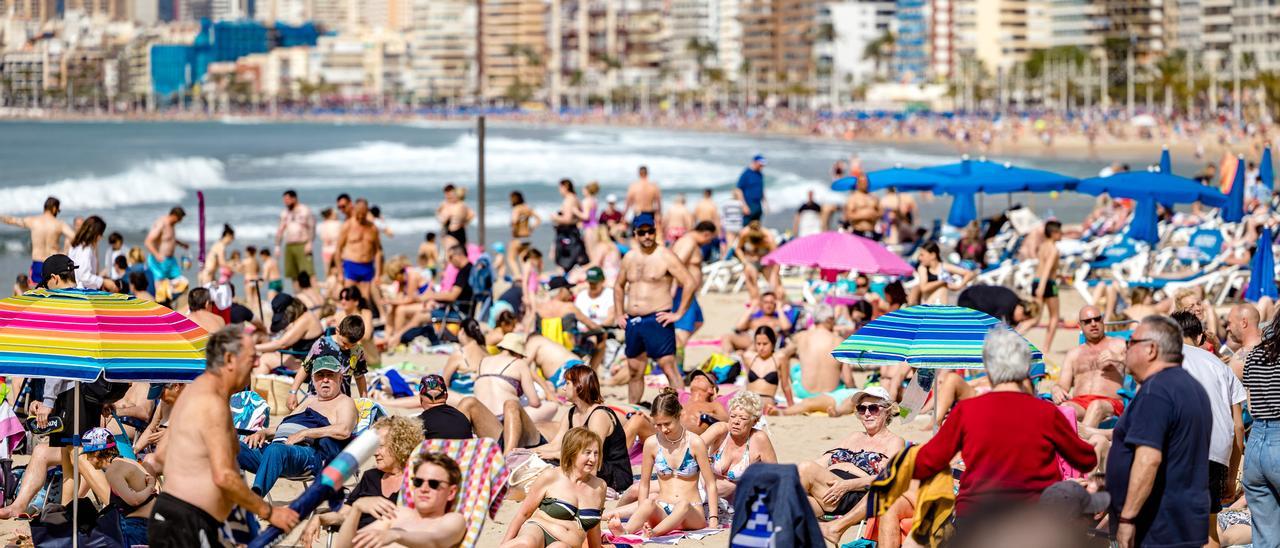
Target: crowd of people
[1160,435]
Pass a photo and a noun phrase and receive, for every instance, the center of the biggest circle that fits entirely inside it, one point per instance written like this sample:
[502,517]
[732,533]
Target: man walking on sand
[360,248]
[161,263]
[45,229]
[298,230]
[688,249]
[1046,282]
[198,456]
[750,189]
[642,305]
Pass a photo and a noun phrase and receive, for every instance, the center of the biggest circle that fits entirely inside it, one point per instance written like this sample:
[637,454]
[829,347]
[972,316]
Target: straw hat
[513,343]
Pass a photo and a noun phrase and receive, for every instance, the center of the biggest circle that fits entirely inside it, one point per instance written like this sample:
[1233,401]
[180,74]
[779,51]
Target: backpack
[481,279]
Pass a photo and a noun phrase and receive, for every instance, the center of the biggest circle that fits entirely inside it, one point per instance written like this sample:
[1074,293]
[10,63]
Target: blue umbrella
[1233,211]
[1166,163]
[996,178]
[1265,171]
[1146,187]
[1144,226]
[1262,271]
[963,210]
[897,177]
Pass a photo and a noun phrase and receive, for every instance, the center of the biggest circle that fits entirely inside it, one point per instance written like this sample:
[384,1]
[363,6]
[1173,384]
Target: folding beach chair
[484,480]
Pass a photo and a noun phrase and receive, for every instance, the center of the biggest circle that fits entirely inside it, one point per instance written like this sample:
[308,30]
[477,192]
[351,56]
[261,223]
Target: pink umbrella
[838,251]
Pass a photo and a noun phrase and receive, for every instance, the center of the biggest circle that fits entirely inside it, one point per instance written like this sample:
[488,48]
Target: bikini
[515,383]
[587,518]
[727,470]
[770,377]
[688,469]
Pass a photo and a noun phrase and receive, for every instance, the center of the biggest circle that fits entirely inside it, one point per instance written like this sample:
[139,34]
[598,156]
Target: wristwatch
[1124,521]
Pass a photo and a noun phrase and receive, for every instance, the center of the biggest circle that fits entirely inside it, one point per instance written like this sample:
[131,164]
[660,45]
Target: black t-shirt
[443,422]
[1170,413]
[463,281]
[810,206]
[995,300]
[370,486]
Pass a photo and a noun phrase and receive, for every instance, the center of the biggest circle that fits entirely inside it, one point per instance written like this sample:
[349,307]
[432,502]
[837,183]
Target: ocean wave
[150,182]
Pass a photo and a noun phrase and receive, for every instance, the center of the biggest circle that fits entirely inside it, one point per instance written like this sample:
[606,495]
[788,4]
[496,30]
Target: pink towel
[1068,472]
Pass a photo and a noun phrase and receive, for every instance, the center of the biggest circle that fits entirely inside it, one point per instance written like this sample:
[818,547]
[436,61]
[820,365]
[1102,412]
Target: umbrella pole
[75,470]
[257,284]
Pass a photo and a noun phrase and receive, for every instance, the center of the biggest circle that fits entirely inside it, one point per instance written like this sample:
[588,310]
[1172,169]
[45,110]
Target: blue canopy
[1166,163]
[1144,226]
[897,177]
[963,210]
[1262,271]
[996,178]
[1163,186]
[1265,170]
[1233,211]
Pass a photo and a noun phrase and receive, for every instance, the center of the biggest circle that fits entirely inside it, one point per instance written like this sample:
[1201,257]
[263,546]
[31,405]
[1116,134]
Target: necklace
[672,441]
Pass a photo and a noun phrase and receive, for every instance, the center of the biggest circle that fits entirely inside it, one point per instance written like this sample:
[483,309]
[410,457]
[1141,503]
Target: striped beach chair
[484,480]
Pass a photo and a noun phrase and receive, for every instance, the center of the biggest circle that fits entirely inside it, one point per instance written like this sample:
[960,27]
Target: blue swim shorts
[646,336]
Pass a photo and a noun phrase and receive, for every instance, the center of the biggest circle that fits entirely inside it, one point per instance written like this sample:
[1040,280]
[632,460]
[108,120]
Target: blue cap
[759,159]
[97,439]
[642,219]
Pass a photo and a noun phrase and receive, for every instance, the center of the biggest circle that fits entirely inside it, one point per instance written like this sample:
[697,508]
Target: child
[22,285]
[271,273]
[429,255]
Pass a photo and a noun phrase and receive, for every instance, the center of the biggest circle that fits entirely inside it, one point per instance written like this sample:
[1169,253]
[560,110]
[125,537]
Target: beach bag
[722,368]
[52,529]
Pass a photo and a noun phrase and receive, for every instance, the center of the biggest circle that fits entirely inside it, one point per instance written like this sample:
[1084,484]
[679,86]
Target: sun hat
[513,343]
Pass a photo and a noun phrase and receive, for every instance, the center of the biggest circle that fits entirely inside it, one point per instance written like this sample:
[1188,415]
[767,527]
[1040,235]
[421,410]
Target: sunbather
[563,505]
[433,521]
[738,443]
[1092,374]
[838,480]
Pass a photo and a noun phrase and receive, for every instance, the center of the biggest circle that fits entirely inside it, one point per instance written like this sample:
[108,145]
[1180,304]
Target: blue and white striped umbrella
[924,336]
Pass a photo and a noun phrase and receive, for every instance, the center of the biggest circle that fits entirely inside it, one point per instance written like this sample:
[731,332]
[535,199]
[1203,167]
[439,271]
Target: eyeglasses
[1091,320]
[645,231]
[434,484]
[1131,342]
[874,409]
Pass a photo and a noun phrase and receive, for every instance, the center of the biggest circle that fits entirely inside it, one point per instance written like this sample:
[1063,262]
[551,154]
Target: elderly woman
[433,520]
[375,496]
[738,444]
[563,506]
[1007,437]
[838,480]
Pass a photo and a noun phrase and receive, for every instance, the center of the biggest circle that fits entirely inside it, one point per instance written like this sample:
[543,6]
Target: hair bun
[668,391]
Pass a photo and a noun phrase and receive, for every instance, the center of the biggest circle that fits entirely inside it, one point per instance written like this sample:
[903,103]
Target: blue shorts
[37,272]
[692,317]
[646,336]
[357,272]
[167,269]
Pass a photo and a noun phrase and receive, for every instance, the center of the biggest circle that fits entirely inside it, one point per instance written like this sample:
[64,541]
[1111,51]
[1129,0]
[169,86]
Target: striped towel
[11,430]
[484,478]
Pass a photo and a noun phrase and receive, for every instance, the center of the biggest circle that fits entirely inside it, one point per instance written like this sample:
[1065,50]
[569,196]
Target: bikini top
[731,471]
[770,377]
[688,466]
[559,509]
[870,462]
[515,383]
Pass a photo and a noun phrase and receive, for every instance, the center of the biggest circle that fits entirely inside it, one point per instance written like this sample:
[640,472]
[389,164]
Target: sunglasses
[871,408]
[1131,342]
[434,484]
[645,231]
[1087,321]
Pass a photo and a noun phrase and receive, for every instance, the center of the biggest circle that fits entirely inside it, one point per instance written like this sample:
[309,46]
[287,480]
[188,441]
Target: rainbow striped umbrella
[924,336]
[80,334]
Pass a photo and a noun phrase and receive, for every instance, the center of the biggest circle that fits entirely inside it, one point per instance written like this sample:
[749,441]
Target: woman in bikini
[679,458]
[765,373]
[301,330]
[563,505]
[934,277]
[587,410]
[461,368]
[738,443]
[504,384]
[523,220]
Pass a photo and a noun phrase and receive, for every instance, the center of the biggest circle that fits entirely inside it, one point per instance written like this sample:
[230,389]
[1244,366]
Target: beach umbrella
[963,210]
[997,178]
[1147,187]
[840,252]
[80,335]
[896,177]
[1166,163]
[1265,170]
[1233,211]
[1262,271]
[1144,227]
[924,336]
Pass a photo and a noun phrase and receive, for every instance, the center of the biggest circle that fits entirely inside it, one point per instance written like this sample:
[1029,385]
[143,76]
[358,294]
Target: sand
[795,438]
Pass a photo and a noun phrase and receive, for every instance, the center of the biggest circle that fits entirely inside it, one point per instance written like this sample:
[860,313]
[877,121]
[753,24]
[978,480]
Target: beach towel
[11,431]
[673,537]
[370,412]
[935,500]
[484,478]
[249,412]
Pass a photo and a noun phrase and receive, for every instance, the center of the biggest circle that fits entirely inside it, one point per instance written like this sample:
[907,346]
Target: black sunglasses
[1091,320]
[1131,342]
[434,484]
[645,231]
[875,407]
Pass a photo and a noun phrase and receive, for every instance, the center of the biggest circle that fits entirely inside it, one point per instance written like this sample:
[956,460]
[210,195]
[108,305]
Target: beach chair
[484,480]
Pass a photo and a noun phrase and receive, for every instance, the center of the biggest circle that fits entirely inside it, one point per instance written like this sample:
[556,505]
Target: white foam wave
[151,182]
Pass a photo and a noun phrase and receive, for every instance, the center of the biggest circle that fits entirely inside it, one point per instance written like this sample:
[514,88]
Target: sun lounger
[484,478]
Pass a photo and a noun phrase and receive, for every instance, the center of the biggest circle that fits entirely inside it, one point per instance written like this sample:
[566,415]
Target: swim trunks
[167,269]
[692,317]
[645,335]
[276,285]
[557,378]
[1050,287]
[179,524]
[798,390]
[296,259]
[460,235]
[357,272]
[1117,406]
[37,272]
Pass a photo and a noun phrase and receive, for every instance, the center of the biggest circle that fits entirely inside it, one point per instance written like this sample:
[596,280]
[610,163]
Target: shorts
[296,259]
[37,272]
[754,213]
[692,317]
[276,285]
[1050,288]
[849,500]
[1117,406]
[167,269]
[90,417]
[134,530]
[357,272]
[1217,486]
[646,336]
[178,524]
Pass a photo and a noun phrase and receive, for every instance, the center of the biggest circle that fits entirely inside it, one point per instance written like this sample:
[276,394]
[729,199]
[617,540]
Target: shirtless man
[862,211]
[1243,334]
[677,220]
[551,359]
[1046,282]
[560,304]
[643,196]
[343,203]
[202,311]
[1092,374]
[360,248]
[706,209]
[298,231]
[689,250]
[642,304]
[330,230]
[216,259]
[454,216]
[817,372]
[160,243]
[763,312]
[45,229]
[198,457]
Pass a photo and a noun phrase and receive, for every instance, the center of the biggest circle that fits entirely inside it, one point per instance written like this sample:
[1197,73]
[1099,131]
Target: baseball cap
[97,439]
[434,383]
[56,264]
[642,219]
[1071,496]
[760,159]
[558,282]
[325,363]
[594,274]
[612,198]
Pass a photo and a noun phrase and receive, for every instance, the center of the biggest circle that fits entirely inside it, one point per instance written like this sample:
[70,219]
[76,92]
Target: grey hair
[222,342]
[822,313]
[747,401]
[1166,334]
[1006,356]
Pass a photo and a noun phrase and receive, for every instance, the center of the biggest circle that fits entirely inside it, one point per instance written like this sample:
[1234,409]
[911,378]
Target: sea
[130,173]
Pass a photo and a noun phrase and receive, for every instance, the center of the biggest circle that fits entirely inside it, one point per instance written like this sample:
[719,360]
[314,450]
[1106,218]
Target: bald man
[1243,334]
[1093,373]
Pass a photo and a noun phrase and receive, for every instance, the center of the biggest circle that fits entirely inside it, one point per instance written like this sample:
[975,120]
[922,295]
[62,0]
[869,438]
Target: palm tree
[878,51]
[702,50]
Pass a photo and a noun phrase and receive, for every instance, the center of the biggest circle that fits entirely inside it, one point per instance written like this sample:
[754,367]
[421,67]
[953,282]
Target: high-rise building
[855,24]
[1201,25]
[692,26]
[916,49]
[643,47]
[995,33]
[777,43]
[231,9]
[442,49]
[1145,24]
[1256,31]
[514,55]
[332,14]
[1080,23]
[30,10]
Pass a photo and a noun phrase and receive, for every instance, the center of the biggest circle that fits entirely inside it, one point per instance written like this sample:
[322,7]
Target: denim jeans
[269,462]
[1262,481]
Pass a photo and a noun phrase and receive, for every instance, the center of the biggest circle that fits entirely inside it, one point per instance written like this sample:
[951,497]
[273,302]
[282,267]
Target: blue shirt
[1171,413]
[751,183]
